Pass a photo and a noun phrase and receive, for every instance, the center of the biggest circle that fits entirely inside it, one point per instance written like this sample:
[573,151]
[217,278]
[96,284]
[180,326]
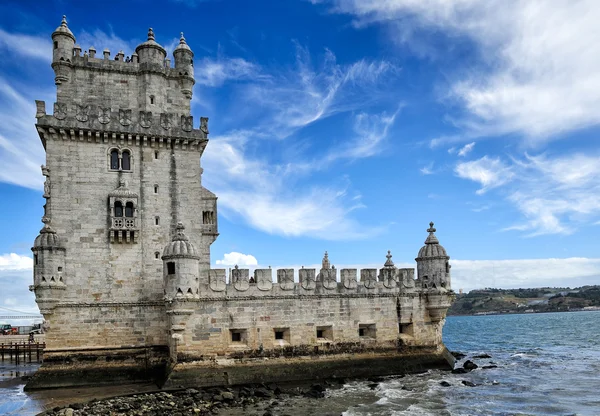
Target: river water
[548,364]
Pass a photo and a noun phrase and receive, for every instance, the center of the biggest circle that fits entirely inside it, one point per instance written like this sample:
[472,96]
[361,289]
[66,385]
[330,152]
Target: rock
[487,367]
[445,384]
[373,386]
[468,383]
[263,392]
[470,365]
[459,370]
[458,355]
[482,356]
[227,395]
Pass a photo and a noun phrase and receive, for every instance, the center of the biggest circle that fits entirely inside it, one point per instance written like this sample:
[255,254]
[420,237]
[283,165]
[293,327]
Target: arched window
[118,209]
[129,209]
[114,159]
[126,160]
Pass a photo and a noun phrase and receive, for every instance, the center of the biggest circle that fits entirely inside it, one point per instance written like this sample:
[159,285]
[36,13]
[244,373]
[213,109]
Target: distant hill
[545,299]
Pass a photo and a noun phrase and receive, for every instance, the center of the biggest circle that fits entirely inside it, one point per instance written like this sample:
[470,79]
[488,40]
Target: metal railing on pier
[25,352]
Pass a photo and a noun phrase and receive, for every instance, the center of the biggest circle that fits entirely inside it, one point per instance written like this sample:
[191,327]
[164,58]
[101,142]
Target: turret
[433,267]
[63,43]
[433,271]
[184,65]
[150,52]
[180,267]
[48,268]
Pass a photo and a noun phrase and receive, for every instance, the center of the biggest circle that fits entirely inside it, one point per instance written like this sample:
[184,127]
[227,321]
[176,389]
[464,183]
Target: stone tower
[122,170]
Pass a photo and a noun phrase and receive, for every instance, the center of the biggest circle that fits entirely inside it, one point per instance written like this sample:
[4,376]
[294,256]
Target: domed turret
[48,267]
[180,266]
[433,269]
[184,65]
[63,43]
[150,52]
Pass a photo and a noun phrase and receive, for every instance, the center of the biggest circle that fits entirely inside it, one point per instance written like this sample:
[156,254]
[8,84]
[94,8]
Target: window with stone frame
[120,160]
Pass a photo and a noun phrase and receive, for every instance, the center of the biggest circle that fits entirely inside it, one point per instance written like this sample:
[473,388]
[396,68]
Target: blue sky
[348,125]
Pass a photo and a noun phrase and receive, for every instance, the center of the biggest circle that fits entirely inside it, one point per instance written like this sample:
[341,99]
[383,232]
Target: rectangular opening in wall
[170,267]
[282,336]
[324,333]
[156,220]
[366,331]
[238,336]
[406,329]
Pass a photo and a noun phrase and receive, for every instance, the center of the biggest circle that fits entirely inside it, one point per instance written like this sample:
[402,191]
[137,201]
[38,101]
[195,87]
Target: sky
[349,125]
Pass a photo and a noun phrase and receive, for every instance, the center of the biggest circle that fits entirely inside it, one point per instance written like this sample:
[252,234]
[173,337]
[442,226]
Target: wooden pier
[22,352]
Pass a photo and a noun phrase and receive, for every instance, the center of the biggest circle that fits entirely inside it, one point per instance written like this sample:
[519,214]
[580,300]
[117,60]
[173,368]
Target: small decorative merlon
[204,125]
[349,278]
[285,278]
[40,108]
[307,279]
[369,278]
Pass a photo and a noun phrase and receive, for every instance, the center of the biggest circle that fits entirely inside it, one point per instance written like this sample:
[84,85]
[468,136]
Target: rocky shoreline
[210,401]
[254,400]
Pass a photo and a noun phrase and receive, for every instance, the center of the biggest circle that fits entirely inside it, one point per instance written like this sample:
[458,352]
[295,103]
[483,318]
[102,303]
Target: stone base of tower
[100,366]
[228,372]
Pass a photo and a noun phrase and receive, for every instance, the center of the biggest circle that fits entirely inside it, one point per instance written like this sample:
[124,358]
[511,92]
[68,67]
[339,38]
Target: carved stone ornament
[329,279]
[307,279]
[46,173]
[104,115]
[389,277]
[204,125]
[60,111]
[125,117]
[369,278]
[187,123]
[145,119]
[349,278]
[264,280]
[240,279]
[83,113]
[217,280]
[285,278]
[166,120]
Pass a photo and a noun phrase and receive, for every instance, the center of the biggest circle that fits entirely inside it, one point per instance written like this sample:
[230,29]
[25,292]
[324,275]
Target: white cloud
[272,202]
[539,75]
[235,258]
[555,194]
[466,149]
[370,131]
[285,101]
[490,173]
[525,273]
[13,261]
[427,170]
[26,46]
[215,72]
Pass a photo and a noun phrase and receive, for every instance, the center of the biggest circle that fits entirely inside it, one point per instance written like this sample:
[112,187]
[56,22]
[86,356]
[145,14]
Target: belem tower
[122,264]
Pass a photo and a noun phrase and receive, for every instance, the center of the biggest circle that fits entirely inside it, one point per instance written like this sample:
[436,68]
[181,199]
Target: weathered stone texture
[123,261]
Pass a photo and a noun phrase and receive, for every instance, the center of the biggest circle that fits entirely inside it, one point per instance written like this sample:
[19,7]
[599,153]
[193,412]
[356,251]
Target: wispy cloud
[489,172]
[273,200]
[214,72]
[466,149]
[427,169]
[22,152]
[26,45]
[539,76]
[555,194]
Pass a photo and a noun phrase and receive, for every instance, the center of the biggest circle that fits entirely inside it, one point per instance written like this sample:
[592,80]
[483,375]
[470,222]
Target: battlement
[144,81]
